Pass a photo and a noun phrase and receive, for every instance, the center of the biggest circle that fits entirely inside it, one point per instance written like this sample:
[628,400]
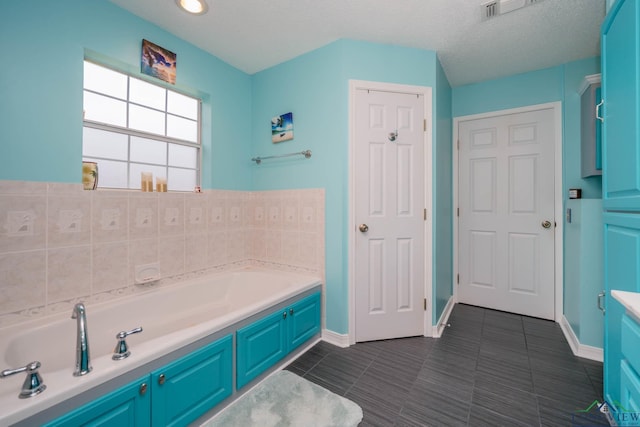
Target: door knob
[546,224]
[363,228]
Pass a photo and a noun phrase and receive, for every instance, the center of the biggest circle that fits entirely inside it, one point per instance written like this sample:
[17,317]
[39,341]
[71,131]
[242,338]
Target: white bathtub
[171,318]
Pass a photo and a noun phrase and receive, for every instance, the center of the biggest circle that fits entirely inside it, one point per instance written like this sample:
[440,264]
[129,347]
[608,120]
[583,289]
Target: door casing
[354,85]
[558,201]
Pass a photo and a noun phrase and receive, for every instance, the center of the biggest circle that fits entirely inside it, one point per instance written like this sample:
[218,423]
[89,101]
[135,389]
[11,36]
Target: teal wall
[443,196]
[42,123]
[559,83]
[315,87]
[584,270]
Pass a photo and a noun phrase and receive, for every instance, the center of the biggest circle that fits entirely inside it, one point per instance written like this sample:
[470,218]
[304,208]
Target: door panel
[389,199]
[621,182]
[506,193]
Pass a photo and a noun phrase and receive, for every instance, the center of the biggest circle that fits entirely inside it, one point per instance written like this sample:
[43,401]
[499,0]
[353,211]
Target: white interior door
[389,204]
[506,218]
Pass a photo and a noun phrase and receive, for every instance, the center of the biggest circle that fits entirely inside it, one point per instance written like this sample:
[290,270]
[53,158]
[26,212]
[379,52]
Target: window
[132,126]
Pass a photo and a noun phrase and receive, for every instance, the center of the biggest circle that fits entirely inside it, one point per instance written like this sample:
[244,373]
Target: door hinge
[425,214]
[425,304]
[458,279]
[457,211]
[458,144]
[424,124]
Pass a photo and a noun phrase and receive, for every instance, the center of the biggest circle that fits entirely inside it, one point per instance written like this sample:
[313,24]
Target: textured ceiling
[253,35]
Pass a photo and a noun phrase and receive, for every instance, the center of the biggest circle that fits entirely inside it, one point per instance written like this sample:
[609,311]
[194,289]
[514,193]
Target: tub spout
[83,360]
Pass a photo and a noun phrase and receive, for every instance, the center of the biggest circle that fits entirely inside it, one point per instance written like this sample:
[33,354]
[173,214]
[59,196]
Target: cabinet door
[590,132]
[629,413]
[260,345]
[622,272]
[127,406]
[304,320]
[187,388]
[621,154]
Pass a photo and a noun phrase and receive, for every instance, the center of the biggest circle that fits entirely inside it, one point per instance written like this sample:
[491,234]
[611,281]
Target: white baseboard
[341,340]
[580,350]
[444,318]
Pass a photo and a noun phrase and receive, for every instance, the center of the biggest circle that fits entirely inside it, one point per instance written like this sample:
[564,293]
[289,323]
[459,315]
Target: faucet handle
[33,384]
[122,350]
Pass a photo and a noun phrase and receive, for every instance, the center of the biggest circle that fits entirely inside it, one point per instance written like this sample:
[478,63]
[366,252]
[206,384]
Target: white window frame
[147,135]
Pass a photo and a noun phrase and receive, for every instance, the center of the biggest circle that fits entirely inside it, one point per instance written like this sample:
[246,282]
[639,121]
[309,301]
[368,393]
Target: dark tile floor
[489,368]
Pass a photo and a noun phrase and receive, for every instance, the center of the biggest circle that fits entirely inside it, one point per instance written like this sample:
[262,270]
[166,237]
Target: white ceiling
[253,35]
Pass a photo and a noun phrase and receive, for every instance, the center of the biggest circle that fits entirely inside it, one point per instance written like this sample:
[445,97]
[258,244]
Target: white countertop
[630,301]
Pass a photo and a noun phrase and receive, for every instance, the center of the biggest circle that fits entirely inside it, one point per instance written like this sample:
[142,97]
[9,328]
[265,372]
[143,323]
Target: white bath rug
[285,399]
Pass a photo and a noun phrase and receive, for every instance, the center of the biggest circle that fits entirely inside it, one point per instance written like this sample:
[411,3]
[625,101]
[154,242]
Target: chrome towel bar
[306,154]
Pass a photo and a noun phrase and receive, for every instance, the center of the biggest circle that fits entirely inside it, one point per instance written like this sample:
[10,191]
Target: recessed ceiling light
[195,7]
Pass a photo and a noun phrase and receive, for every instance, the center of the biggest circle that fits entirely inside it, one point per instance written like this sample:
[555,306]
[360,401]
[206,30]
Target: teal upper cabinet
[621,146]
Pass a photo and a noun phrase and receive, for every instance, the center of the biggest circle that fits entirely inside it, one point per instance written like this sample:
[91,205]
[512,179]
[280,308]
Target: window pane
[147,94]
[181,179]
[104,80]
[145,119]
[100,143]
[182,105]
[135,177]
[111,174]
[99,108]
[186,129]
[186,157]
[148,151]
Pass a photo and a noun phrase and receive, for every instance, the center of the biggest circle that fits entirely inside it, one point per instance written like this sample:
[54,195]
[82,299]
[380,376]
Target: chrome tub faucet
[83,360]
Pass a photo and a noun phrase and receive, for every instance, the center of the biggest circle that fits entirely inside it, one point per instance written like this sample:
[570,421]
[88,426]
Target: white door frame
[558,200]
[354,85]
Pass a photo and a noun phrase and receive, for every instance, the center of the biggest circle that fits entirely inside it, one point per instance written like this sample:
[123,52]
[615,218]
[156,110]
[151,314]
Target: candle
[161,185]
[147,181]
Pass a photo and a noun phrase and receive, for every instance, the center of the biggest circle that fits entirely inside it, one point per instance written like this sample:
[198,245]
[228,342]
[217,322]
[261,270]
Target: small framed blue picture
[282,128]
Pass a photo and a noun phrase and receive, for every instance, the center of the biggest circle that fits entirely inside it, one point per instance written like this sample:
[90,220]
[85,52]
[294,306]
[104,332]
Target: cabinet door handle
[291,311]
[600,298]
[284,315]
[598,116]
[161,379]
[143,389]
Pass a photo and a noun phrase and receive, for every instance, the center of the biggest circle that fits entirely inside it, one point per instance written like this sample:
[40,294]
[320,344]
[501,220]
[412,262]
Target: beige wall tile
[110,266]
[23,222]
[22,187]
[142,252]
[196,252]
[143,215]
[170,215]
[69,220]
[217,248]
[68,273]
[22,280]
[110,222]
[171,255]
[196,211]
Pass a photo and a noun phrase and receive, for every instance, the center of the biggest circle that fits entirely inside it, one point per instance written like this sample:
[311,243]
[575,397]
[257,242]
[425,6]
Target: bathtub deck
[489,368]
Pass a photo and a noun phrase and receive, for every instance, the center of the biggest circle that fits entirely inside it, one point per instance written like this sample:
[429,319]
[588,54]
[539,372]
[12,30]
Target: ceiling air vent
[500,7]
[490,10]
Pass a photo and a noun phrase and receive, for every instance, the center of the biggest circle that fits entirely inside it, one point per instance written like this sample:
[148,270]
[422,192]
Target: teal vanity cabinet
[129,406]
[190,386]
[630,366]
[266,341]
[173,395]
[621,180]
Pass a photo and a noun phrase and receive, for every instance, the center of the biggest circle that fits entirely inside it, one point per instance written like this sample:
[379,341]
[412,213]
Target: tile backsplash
[60,244]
